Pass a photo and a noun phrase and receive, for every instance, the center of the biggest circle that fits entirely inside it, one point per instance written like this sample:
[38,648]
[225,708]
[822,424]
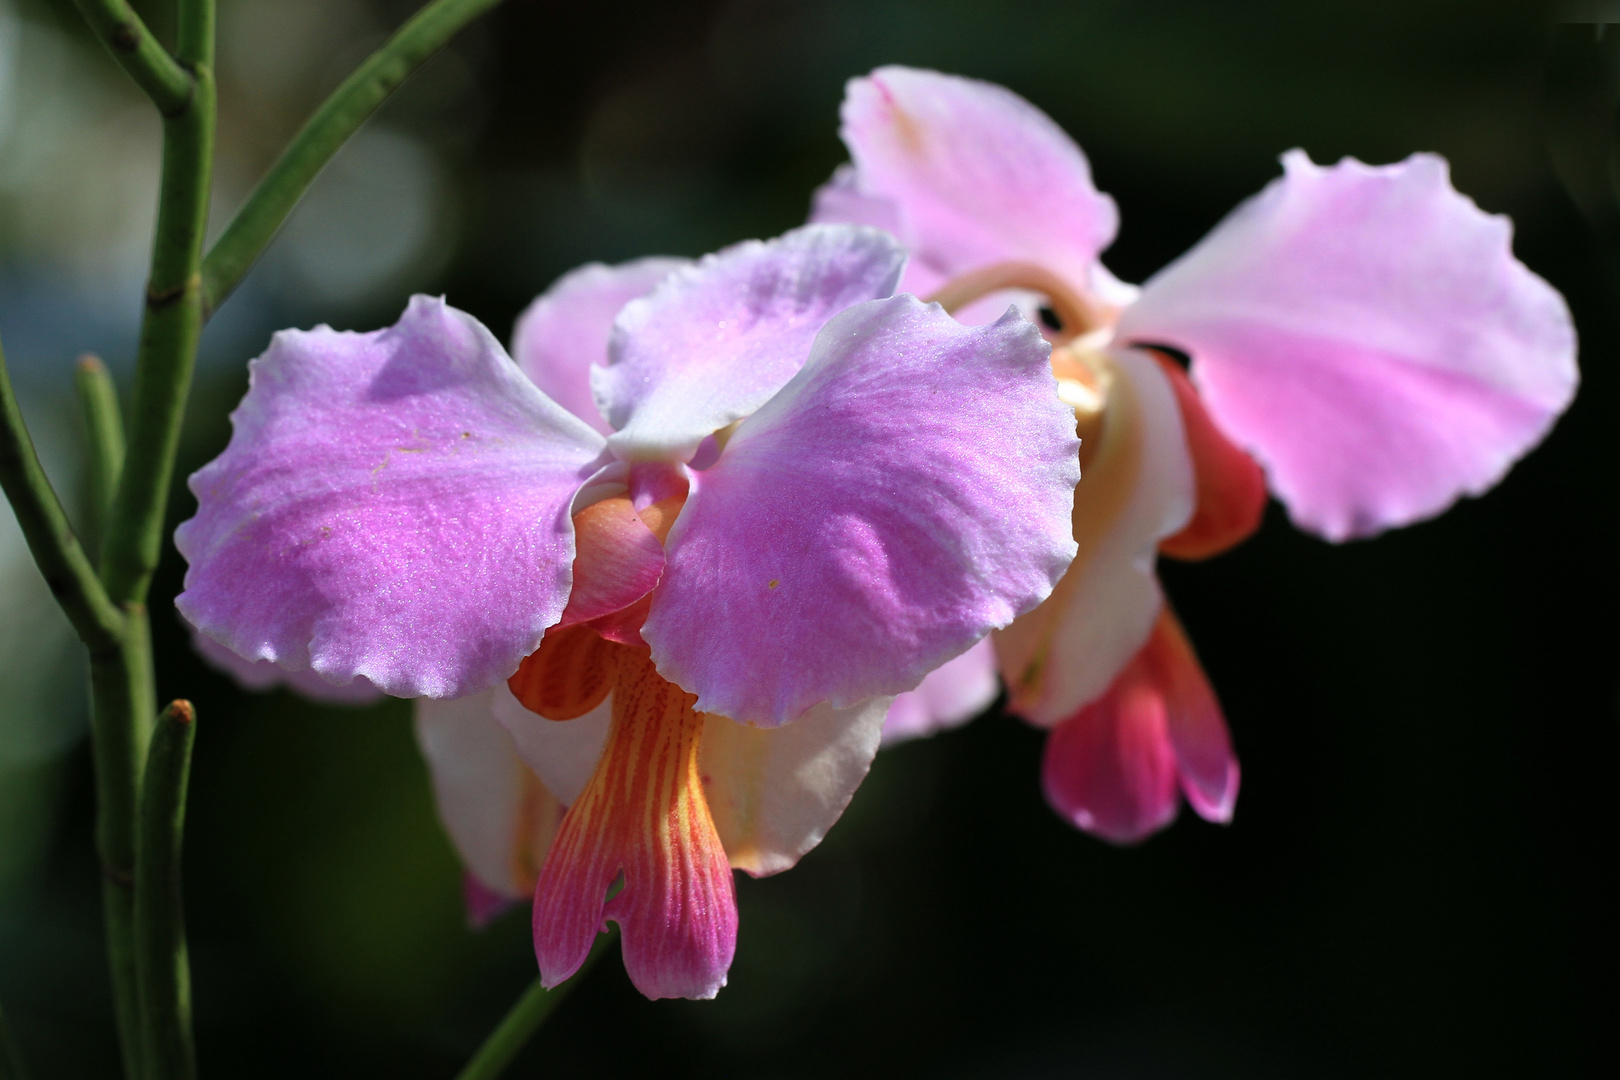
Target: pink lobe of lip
[1113,768]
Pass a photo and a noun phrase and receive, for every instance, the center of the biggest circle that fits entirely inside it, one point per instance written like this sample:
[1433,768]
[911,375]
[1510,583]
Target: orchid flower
[564,334]
[1361,340]
[692,626]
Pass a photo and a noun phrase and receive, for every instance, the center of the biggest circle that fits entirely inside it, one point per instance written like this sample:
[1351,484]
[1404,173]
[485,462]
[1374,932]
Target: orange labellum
[568,675]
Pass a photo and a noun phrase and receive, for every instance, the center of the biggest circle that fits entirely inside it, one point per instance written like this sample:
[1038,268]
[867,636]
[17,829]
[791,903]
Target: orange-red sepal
[1231,487]
[568,675]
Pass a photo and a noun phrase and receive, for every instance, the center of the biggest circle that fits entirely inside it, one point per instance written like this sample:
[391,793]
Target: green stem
[121,678]
[322,135]
[520,1022]
[165,975]
[105,427]
[45,526]
[11,1059]
[122,695]
[168,348]
[118,28]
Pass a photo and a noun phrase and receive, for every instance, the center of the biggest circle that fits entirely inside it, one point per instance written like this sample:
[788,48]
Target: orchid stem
[121,676]
[145,942]
[168,345]
[11,1059]
[105,428]
[45,526]
[124,34]
[526,1015]
[366,88]
[159,913]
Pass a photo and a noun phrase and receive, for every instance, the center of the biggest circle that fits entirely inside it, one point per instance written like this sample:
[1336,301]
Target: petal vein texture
[392,505]
[908,491]
[715,340]
[564,332]
[978,174]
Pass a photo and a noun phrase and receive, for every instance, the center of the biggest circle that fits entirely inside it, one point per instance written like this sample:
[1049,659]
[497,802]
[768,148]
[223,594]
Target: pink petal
[263,675]
[392,505]
[948,696]
[1110,769]
[564,332]
[839,200]
[484,905]
[908,491]
[718,338]
[1368,335]
[1204,759]
[774,792]
[979,175]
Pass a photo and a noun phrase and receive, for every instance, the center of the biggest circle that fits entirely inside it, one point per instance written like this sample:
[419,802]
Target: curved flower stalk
[1363,343]
[799,509]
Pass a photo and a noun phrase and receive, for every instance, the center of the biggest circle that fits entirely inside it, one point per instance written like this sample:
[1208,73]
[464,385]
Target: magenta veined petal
[979,175]
[1368,335]
[949,696]
[909,490]
[564,332]
[393,505]
[716,339]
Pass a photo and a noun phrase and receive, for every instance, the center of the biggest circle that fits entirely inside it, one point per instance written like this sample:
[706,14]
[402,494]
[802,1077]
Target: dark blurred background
[1427,722]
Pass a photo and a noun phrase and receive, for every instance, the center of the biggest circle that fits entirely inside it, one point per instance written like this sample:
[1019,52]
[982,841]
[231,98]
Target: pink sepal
[484,905]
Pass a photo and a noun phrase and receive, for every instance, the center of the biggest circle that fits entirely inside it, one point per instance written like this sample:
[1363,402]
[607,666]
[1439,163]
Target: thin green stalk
[121,678]
[322,135]
[45,526]
[168,348]
[165,975]
[104,425]
[11,1059]
[122,696]
[118,28]
[521,1021]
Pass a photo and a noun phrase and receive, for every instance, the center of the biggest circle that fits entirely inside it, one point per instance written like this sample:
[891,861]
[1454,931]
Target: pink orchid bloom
[565,333]
[1362,341]
[689,627]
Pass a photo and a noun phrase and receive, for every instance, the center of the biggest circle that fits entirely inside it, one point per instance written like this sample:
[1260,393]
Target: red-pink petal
[1204,759]
[1110,769]
[1231,487]
[484,905]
